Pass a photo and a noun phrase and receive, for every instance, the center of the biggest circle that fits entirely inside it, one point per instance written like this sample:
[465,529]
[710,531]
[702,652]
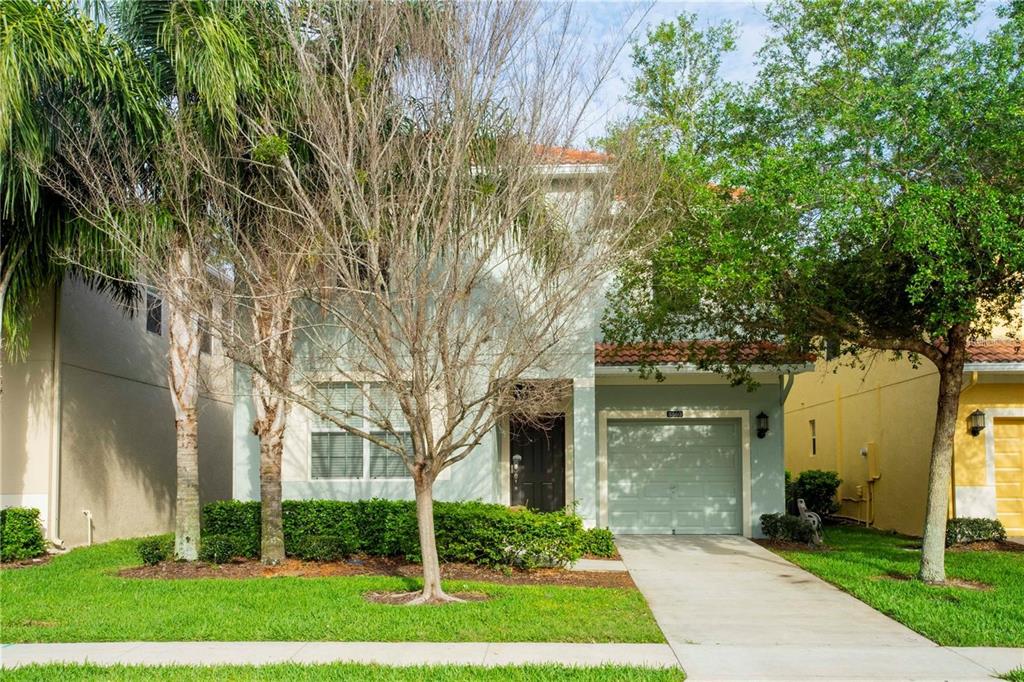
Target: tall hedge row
[469,532]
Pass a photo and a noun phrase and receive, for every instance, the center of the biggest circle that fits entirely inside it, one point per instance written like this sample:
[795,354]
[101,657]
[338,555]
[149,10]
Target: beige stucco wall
[26,418]
[116,423]
[884,415]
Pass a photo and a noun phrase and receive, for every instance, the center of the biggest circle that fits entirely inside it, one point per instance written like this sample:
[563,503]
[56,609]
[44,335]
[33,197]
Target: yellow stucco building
[874,426]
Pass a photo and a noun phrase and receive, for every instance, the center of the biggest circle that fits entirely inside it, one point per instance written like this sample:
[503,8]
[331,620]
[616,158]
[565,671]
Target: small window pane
[337,455]
[384,406]
[154,313]
[342,398]
[205,339]
[387,464]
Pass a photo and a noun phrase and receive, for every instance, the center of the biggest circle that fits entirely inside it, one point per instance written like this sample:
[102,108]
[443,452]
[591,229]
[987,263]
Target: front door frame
[505,460]
[660,415]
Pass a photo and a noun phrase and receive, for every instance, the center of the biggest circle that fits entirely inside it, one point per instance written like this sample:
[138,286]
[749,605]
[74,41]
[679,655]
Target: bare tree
[452,264]
[414,263]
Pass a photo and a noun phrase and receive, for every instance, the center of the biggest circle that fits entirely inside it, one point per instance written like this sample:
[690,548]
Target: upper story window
[338,454]
[205,337]
[814,437]
[154,313]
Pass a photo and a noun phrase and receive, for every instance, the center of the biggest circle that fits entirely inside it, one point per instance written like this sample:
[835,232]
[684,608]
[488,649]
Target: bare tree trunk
[272,321]
[271,449]
[183,376]
[933,550]
[432,591]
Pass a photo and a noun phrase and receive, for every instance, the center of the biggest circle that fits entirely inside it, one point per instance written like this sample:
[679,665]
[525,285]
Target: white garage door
[681,476]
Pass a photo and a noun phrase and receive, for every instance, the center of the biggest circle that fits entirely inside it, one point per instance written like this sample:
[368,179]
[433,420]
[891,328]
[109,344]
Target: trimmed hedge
[220,549]
[21,534]
[155,549]
[818,489]
[598,542]
[788,528]
[469,532]
[964,530]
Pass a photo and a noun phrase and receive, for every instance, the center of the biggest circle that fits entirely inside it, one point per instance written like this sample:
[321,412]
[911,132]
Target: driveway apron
[731,609]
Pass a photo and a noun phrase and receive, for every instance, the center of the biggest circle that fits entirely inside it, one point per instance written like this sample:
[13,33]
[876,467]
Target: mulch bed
[988,546]
[403,598]
[787,545]
[27,563]
[950,582]
[387,566]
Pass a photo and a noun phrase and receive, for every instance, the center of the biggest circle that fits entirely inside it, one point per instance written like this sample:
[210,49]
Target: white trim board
[659,415]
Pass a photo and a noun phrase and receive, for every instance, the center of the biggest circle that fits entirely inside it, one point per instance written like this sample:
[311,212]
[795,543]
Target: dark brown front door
[537,464]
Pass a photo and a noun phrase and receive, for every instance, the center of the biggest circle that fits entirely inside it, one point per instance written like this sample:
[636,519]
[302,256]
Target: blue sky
[609,24]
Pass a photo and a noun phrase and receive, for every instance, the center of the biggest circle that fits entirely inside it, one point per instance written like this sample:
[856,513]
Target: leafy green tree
[863,193]
[57,67]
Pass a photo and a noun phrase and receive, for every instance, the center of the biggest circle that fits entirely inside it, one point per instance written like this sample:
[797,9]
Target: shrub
[21,534]
[240,520]
[302,519]
[962,530]
[787,528]
[598,542]
[469,532]
[155,549]
[322,548]
[220,549]
[818,490]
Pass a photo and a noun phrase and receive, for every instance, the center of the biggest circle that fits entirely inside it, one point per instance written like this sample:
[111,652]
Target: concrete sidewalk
[385,653]
[732,610]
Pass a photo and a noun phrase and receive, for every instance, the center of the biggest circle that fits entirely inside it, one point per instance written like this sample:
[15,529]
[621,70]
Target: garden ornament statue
[811,517]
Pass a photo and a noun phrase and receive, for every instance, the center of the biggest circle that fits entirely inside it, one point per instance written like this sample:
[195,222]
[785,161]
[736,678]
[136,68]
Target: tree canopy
[863,193]
[60,72]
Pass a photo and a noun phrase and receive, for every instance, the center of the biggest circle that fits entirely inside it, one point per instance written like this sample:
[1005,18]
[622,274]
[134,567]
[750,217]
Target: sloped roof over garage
[683,352]
[1006,350]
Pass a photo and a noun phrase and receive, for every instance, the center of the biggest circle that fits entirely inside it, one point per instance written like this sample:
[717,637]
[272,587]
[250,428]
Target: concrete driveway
[731,609]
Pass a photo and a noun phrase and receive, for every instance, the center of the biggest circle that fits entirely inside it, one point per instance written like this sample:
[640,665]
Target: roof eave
[687,368]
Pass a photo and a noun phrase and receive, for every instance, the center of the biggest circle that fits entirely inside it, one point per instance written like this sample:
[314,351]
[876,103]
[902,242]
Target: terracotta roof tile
[607,354]
[571,156]
[1008,350]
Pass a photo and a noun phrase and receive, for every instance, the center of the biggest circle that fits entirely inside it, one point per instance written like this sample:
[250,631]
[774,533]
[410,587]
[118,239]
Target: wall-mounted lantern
[977,422]
[762,425]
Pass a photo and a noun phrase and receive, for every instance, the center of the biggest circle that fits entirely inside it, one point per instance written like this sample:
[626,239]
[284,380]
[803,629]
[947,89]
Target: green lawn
[1014,675]
[530,673]
[78,597]
[860,559]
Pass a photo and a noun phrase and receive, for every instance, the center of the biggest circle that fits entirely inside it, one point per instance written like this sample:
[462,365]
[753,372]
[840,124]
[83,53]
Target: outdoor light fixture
[977,422]
[762,425]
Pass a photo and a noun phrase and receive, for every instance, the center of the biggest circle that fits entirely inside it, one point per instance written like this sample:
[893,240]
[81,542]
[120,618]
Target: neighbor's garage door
[681,476]
[1009,451]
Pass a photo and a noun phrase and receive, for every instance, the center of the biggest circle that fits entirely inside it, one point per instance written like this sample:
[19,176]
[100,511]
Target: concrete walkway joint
[384,653]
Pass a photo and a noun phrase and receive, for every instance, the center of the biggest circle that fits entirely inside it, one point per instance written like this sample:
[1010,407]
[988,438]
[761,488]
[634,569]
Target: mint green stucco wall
[767,471]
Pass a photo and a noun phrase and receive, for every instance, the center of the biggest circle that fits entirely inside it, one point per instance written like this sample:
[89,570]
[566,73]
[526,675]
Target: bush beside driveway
[984,605]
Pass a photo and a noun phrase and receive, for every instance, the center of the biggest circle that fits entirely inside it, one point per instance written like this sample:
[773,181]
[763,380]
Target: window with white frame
[338,454]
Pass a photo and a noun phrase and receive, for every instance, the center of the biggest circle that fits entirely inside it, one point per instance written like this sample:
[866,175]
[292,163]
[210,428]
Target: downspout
[55,428]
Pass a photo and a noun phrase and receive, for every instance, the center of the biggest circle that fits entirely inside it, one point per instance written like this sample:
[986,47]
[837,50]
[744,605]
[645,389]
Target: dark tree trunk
[933,551]
[271,526]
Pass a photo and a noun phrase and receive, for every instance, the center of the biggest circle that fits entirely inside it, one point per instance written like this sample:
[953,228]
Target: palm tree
[204,66]
[57,67]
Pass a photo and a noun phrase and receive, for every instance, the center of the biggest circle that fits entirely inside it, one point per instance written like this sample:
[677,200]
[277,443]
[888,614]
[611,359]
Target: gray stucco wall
[117,422]
[99,395]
